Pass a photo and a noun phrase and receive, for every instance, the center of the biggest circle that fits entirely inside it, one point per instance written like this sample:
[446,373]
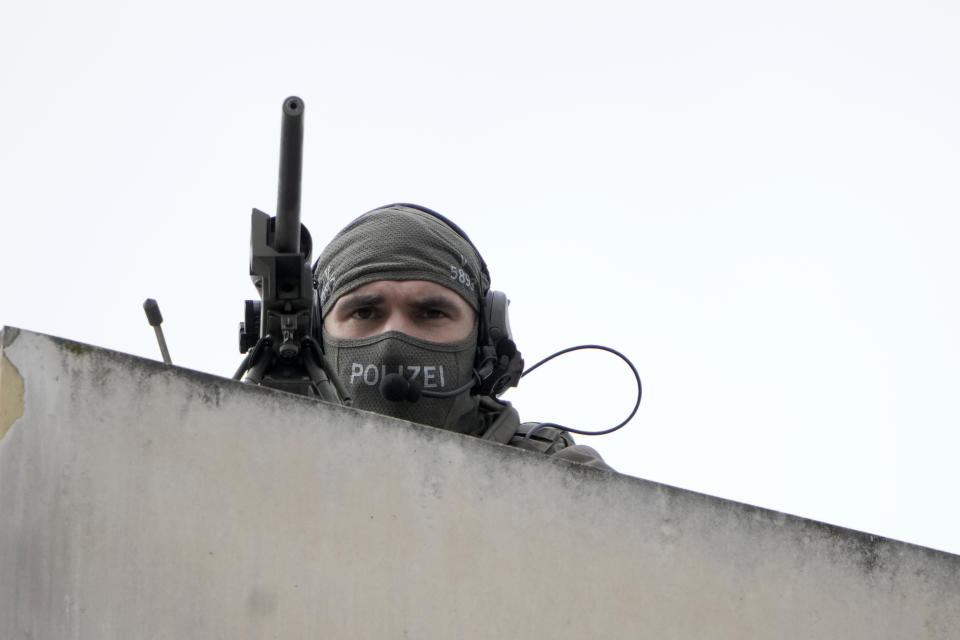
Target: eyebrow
[441,303]
[358,300]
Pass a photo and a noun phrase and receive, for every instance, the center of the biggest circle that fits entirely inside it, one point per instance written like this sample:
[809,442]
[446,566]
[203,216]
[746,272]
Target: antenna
[152,309]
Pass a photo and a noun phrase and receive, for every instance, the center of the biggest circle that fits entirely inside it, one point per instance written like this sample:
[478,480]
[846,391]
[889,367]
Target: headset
[498,365]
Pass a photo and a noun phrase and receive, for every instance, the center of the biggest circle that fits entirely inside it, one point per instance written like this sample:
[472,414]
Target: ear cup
[499,363]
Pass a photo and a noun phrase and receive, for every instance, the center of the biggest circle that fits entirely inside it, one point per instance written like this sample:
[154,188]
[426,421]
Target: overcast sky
[757,202]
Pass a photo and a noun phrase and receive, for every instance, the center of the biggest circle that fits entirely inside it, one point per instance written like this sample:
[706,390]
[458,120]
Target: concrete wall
[144,501]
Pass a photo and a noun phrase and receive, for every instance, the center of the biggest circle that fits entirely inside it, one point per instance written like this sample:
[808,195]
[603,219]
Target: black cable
[578,431]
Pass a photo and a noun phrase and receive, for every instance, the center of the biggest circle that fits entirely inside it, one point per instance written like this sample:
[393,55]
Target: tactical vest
[547,440]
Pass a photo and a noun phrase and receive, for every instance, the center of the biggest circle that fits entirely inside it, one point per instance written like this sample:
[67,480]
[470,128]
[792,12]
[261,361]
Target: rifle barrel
[291,171]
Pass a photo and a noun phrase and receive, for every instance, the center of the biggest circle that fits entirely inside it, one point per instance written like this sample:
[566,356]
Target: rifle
[278,331]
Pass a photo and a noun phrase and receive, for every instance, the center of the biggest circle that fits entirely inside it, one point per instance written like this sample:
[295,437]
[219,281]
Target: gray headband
[399,242]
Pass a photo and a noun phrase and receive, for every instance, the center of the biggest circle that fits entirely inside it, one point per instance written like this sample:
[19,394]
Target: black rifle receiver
[278,331]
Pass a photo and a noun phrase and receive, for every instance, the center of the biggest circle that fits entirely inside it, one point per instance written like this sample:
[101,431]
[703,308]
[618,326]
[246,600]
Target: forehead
[405,290]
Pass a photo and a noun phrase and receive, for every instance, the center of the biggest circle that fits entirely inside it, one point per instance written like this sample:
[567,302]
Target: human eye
[434,313]
[363,313]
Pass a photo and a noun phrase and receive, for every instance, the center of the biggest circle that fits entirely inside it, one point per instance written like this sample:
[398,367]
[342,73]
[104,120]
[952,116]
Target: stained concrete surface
[144,501]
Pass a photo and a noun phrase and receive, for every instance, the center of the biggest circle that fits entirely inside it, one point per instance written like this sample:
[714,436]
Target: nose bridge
[396,320]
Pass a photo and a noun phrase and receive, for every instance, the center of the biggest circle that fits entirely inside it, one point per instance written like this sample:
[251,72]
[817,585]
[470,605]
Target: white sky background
[757,202]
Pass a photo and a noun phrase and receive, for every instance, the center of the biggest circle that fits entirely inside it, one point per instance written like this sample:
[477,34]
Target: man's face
[418,308]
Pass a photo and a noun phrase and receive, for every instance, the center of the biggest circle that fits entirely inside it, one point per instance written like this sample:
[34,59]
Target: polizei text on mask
[430,376]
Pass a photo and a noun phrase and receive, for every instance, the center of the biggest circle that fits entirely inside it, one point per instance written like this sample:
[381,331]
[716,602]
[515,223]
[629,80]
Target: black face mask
[362,363]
